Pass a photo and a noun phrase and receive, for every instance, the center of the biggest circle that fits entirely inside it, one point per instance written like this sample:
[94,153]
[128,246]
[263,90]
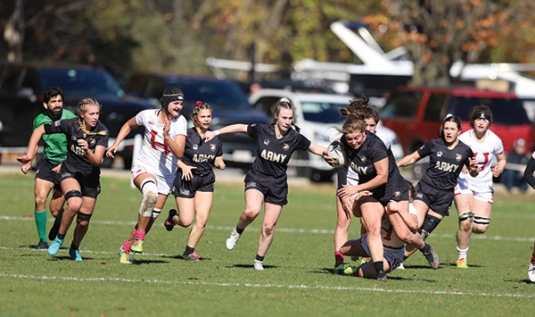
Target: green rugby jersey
[55,148]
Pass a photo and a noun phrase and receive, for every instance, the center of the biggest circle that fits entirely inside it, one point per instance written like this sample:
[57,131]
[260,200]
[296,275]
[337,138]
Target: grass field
[297,280]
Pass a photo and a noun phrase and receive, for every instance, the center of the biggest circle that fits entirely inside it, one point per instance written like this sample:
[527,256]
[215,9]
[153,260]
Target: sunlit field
[297,281]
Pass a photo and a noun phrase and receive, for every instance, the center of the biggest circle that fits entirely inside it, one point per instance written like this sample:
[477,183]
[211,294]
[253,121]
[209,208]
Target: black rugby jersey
[445,165]
[201,154]
[273,154]
[373,150]
[76,161]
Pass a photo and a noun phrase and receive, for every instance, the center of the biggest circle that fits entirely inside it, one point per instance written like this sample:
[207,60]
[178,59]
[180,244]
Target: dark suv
[229,104]
[21,99]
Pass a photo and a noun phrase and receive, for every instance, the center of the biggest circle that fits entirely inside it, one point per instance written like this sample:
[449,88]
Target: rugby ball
[336,151]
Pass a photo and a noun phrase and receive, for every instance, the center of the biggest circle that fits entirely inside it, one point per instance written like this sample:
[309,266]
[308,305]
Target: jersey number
[486,156]
[153,142]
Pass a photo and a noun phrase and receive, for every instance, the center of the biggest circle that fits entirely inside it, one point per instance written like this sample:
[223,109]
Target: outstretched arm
[233,128]
[125,130]
[409,159]
[32,145]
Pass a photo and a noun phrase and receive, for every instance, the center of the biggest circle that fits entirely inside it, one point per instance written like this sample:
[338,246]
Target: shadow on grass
[326,270]
[179,257]
[250,266]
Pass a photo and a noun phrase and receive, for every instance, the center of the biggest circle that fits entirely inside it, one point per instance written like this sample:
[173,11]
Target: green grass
[297,280]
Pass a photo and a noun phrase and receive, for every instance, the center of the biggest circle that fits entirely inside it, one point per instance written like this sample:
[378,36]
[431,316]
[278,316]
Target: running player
[528,175]
[378,173]
[474,195]
[193,187]
[154,169]
[434,192]
[266,181]
[87,139]
[343,219]
[47,177]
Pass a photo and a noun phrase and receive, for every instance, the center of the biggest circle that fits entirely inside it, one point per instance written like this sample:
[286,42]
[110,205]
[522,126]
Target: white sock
[463,254]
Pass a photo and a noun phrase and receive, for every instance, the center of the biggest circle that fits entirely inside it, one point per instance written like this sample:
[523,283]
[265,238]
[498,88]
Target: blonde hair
[83,105]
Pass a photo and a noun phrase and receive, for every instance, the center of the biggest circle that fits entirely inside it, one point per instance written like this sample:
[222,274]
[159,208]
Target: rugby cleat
[192,257]
[382,277]
[41,245]
[432,258]
[258,265]
[75,255]
[54,247]
[124,257]
[462,264]
[233,239]
[531,272]
[137,247]
[169,224]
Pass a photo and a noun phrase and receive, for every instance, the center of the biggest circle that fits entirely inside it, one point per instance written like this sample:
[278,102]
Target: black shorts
[89,184]
[274,189]
[187,189]
[44,172]
[438,200]
[386,193]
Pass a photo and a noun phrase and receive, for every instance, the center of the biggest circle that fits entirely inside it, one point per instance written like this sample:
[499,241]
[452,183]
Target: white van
[316,114]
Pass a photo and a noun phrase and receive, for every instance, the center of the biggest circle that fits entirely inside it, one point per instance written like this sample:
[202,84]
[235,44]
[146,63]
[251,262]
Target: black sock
[188,250]
[259,258]
[405,257]
[426,249]
[379,267]
[60,236]
[238,230]
[73,247]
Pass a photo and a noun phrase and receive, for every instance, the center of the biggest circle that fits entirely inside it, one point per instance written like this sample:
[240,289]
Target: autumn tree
[438,33]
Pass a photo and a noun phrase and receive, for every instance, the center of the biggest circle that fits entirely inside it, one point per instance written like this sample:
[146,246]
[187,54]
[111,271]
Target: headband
[481,116]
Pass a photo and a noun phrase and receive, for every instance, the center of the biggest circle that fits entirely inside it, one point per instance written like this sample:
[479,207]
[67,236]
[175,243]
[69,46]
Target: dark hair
[52,92]
[169,95]
[199,105]
[284,103]
[480,111]
[360,108]
[412,189]
[454,119]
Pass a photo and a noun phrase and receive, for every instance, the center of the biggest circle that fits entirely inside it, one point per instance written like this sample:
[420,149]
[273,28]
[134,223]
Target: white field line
[302,286]
[286,230]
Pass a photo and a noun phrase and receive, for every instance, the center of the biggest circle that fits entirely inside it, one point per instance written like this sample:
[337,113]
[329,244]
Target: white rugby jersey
[484,154]
[533,154]
[155,154]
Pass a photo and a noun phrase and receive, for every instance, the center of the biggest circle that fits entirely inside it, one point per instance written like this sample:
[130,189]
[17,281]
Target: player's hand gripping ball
[335,150]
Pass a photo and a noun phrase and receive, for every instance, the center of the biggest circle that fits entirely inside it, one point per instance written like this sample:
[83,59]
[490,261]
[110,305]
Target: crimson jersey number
[154,143]
[486,156]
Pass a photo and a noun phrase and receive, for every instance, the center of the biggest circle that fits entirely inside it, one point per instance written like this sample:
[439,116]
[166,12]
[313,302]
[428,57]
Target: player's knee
[250,214]
[156,213]
[481,224]
[150,197]
[430,223]
[466,219]
[74,199]
[268,230]
[83,219]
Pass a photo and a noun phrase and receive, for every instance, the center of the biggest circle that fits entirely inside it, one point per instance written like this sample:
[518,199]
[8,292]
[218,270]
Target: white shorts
[164,184]
[481,194]
[393,256]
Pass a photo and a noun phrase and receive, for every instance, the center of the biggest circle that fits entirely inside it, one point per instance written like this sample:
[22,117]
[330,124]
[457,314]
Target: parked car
[21,98]
[316,114]
[229,104]
[416,114]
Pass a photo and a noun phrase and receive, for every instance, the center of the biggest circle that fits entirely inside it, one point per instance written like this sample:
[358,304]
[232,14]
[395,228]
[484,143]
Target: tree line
[178,35]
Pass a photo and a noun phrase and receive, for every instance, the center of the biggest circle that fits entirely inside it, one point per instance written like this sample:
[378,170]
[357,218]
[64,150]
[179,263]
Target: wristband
[216,132]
